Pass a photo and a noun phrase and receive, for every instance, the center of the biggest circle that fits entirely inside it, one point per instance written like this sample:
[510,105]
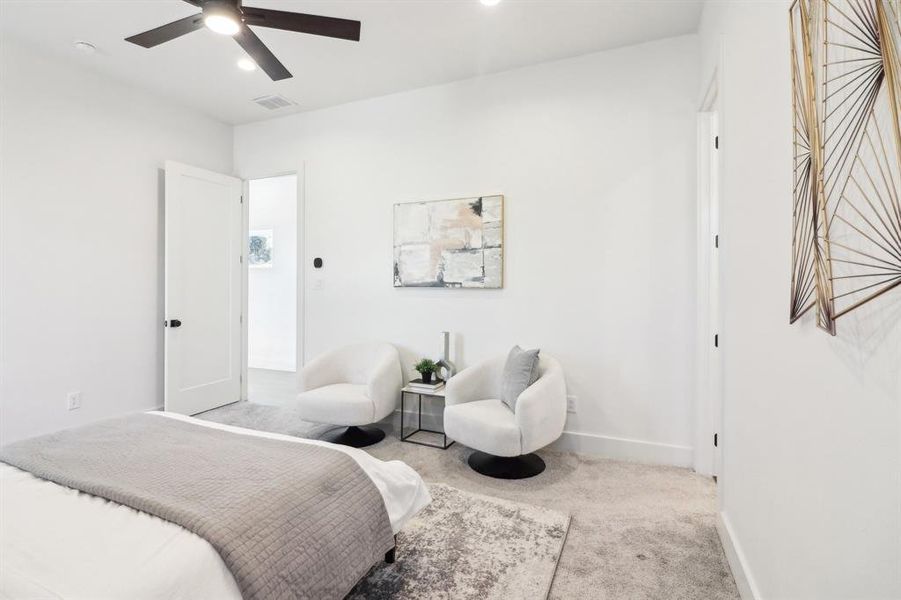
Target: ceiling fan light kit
[221,18]
[230,17]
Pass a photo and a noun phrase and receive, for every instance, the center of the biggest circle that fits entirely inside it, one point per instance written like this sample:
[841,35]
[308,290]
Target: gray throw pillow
[520,371]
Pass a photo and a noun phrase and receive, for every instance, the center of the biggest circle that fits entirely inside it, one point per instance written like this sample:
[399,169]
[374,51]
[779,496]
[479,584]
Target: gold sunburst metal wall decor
[846,82]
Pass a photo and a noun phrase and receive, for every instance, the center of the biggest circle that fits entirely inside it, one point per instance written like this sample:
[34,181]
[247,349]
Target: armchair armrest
[323,370]
[541,408]
[384,383]
[478,382]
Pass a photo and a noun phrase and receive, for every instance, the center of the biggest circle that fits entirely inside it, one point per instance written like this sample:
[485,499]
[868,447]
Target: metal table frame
[406,438]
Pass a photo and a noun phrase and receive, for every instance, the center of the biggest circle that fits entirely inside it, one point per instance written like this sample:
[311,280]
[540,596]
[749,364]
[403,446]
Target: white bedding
[56,542]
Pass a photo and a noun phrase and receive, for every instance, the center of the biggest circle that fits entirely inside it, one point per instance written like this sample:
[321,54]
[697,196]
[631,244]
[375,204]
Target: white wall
[811,489]
[595,156]
[80,239]
[272,291]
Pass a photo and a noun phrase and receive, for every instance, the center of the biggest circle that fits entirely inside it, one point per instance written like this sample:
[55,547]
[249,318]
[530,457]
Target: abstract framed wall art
[450,243]
[846,83]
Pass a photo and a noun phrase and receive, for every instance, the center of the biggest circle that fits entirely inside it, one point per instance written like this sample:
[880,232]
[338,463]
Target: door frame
[709,394]
[300,320]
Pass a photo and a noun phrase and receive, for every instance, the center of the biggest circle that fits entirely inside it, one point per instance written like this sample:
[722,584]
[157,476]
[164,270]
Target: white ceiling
[405,44]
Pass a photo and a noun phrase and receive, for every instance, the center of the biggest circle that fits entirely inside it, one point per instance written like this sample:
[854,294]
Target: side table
[406,437]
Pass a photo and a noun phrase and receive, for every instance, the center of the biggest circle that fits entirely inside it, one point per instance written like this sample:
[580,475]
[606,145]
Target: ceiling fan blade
[344,29]
[167,32]
[261,55]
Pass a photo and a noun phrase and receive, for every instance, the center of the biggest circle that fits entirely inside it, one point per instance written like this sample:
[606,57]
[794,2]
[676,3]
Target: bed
[56,542]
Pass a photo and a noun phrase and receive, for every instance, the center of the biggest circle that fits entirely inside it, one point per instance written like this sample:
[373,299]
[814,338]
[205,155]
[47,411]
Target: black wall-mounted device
[317,262]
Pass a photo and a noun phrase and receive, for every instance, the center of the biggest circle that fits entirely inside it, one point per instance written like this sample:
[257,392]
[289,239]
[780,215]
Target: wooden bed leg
[391,555]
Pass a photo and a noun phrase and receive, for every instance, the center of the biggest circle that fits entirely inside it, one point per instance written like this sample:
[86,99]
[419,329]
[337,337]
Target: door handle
[173,323]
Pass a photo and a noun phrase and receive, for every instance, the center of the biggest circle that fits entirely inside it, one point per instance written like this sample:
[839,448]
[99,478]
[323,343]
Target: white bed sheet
[56,542]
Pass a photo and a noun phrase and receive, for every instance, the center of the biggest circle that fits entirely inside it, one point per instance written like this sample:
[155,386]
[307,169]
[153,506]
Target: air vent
[274,102]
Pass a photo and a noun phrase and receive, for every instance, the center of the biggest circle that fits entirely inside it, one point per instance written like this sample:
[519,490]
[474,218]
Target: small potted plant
[426,367]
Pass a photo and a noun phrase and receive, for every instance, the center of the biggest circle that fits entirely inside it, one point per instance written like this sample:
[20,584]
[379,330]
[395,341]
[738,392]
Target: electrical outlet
[73,400]
[570,404]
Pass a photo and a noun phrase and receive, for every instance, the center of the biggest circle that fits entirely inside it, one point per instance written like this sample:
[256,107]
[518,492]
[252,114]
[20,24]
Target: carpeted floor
[637,531]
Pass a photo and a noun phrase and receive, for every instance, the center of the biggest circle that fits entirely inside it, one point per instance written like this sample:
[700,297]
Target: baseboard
[589,443]
[747,588]
[273,364]
[624,449]
[431,419]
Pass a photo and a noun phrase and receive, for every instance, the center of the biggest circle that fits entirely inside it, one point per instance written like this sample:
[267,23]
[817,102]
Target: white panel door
[203,289]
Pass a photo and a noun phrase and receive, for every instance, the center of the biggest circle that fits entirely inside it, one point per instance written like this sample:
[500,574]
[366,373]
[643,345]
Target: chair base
[357,437]
[506,467]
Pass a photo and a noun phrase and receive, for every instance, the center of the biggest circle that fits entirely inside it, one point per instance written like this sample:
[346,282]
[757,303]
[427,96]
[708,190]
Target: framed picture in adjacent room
[259,253]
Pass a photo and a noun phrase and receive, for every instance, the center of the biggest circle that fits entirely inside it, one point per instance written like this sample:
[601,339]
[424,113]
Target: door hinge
[241,259]
[241,318]
[242,198]
[716,241]
[716,142]
[716,440]
[716,340]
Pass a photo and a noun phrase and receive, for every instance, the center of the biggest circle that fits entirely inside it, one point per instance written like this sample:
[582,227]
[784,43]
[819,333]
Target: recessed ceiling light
[245,64]
[218,18]
[85,47]
[490,2]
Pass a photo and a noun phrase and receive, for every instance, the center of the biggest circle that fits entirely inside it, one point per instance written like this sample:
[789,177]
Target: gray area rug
[466,545]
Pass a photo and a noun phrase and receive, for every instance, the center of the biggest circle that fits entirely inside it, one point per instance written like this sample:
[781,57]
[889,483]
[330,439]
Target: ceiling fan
[229,17]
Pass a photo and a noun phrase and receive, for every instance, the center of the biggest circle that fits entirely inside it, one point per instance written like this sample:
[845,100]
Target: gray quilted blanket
[290,520]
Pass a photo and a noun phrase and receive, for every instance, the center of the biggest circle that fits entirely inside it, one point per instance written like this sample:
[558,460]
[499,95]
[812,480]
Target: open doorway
[272,290]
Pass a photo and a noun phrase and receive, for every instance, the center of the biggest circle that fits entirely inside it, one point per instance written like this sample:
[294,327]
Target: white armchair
[505,440]
[352,386]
